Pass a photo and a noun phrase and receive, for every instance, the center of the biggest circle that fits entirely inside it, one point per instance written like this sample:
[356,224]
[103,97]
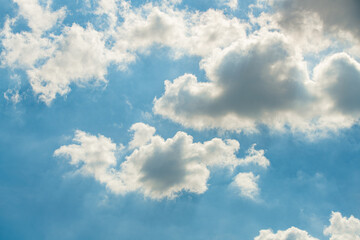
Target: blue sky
[179,120]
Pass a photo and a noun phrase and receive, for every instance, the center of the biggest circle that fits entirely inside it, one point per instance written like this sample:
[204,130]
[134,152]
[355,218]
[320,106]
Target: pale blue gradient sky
[42,198]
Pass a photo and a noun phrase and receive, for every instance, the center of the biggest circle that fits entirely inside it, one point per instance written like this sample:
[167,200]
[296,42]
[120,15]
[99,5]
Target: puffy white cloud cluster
[264,78]
[82,54]
[156,167]
[340,228]
[53,61]
[265,81]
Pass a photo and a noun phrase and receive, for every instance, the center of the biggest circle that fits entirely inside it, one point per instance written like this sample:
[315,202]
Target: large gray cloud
[265,80]
[261,81]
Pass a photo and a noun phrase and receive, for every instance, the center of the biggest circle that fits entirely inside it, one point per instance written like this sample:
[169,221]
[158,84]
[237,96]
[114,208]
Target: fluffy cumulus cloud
[156,167]
[260,81]
[166,167]
[343,228]
[340,228]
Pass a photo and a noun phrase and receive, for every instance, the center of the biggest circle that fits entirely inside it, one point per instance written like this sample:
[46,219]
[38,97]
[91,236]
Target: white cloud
[81,58]
[292,233]
[336,79]
[256,157]
[212,30]
[40,18]
[342,228]
[148,25]
[110,8]
[247,183]
[142,134]
[156,167]
[196,33]
[164,168]
[95,155]
[24,49]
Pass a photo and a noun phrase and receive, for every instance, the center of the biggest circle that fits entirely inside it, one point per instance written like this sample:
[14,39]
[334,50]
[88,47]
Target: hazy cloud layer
[336,17]
[156,167]
[313,26]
